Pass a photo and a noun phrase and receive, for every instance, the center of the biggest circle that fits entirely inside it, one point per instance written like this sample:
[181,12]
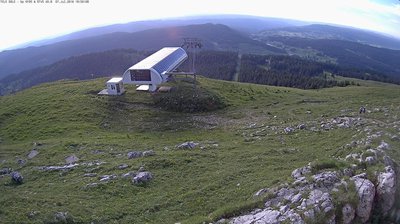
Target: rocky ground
[342,190]
[273,155]
[330,193]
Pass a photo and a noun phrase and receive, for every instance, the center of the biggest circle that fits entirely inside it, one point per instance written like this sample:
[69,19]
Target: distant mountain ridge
[275,70]
[81,67]
[346,53]
[319,31]
[213,36]
[246,24]
[345,47]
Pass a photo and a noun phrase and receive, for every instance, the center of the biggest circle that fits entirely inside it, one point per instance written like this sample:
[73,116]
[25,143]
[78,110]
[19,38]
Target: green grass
[244,148]
[346,194]
[188,97]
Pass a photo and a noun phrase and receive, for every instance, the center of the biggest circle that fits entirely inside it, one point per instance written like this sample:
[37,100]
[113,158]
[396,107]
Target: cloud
[381,17]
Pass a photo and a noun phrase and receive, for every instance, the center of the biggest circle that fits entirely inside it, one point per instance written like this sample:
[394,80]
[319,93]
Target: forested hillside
[213,36]
[216,64]
[319,31]
[286,71]
[242,23]
[345,53]
[109,63]
[290,71]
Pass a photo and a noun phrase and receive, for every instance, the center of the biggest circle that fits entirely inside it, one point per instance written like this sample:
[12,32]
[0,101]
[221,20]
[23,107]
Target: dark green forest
[214,64]
[288,71]
[277,70]
[349,54]
[213,36]
[89,66]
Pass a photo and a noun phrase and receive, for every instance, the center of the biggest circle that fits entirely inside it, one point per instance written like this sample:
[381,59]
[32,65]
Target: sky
[30,20]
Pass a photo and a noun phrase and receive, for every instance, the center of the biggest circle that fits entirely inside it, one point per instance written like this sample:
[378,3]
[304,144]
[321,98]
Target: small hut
[115,86]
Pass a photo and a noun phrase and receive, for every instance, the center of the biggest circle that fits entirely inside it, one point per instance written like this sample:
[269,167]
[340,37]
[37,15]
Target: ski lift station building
[153,70]
[150,72]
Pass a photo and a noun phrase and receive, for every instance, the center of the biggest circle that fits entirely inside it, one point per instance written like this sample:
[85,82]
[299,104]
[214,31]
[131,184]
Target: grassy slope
[189,185]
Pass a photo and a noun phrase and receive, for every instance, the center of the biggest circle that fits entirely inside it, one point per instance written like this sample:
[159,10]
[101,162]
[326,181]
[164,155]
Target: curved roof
[164,60]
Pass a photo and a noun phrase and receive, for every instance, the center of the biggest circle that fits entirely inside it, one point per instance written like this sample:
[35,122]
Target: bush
[345,195]
[327,164]
[185,98]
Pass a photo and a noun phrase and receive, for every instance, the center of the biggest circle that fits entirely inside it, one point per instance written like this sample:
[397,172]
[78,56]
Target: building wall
[110,88]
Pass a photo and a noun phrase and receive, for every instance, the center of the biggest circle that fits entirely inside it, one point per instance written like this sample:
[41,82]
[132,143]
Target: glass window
[140,75]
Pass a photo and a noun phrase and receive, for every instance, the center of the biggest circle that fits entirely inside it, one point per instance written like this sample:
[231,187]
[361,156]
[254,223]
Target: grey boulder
[386,189]
[142,177]
[16,177]
[366,194]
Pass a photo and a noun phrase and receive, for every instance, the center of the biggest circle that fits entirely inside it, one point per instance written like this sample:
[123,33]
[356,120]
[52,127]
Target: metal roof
[115,80]
[164,60]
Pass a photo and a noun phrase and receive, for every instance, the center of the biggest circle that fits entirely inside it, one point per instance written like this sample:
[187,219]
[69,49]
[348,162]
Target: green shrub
[327,164]
[345,195]
[188,99]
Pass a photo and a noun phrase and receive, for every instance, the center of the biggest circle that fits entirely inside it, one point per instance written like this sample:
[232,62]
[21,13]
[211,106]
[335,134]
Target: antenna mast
[193,44]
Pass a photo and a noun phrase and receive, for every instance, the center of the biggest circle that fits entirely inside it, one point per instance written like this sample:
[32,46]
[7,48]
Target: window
[140,75]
